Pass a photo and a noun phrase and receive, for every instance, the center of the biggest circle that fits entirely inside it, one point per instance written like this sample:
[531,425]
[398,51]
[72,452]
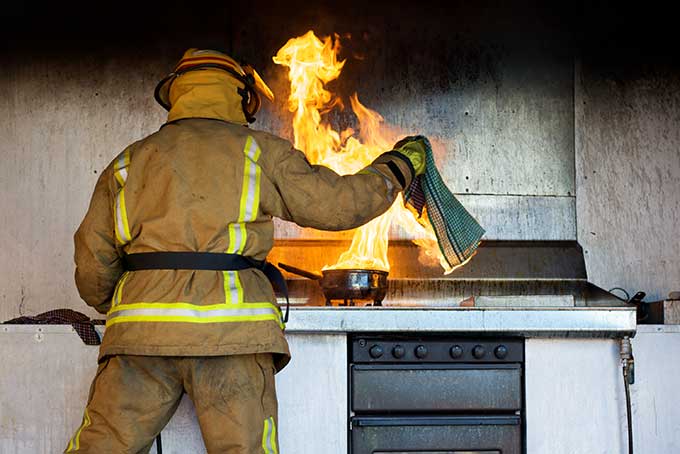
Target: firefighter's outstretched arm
[315,196]
[98,263]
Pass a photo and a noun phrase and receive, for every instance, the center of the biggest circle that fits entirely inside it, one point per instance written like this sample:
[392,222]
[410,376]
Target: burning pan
[348,285]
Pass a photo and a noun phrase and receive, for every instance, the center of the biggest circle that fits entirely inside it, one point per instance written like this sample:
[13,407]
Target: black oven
[436,395]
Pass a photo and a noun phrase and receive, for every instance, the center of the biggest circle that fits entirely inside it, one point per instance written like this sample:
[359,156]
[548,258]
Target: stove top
[502,274]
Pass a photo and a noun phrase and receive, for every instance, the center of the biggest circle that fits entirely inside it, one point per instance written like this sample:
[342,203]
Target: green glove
[414,151]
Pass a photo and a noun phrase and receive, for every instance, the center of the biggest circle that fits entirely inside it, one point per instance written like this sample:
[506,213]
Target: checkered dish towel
[458,233]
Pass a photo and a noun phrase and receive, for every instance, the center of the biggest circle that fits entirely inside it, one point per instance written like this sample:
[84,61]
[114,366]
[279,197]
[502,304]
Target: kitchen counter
[527,322]
[530,322]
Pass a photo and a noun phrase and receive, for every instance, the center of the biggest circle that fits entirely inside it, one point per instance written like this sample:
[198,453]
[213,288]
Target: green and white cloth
[458,233]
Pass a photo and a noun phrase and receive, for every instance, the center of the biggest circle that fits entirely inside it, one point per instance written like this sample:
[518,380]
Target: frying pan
[348,285]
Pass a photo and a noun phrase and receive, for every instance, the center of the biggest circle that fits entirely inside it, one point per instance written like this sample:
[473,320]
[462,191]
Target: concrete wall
[628,171]
[61,123]
[490,84]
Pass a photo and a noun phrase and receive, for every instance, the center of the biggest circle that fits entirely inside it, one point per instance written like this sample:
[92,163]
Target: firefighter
[173,247]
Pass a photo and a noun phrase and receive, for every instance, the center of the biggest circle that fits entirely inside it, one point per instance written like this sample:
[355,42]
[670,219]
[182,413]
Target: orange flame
[312,63]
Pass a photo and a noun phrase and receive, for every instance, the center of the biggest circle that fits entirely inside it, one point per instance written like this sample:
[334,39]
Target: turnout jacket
[209,185]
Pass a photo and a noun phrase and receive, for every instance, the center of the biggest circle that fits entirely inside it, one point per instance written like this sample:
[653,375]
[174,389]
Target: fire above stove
[312,63]
[502,274]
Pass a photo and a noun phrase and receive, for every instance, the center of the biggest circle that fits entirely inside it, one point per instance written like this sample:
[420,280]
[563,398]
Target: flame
[312,63]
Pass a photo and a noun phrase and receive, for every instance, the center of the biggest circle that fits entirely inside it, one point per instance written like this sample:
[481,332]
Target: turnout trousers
[133,397]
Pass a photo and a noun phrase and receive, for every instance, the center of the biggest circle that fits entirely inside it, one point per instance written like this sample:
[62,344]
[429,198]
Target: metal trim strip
[378,421]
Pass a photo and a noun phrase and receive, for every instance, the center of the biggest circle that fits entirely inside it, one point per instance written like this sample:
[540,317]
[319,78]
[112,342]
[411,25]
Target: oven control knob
[376,351]
[456,351]
[398,351]
[501,351]
[421,351]
[478,352]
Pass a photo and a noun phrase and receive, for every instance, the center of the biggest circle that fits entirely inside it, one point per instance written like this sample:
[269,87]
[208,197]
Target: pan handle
[299,272]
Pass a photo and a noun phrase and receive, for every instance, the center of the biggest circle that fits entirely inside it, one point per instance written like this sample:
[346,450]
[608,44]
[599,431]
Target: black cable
[159,444]
[629,412]
[628,369]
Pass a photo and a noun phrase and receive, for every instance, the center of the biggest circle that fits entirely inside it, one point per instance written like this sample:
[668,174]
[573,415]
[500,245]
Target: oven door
[449,388]
[436,435]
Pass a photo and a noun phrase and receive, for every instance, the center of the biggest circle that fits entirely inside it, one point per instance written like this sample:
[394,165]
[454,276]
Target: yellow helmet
[194,59]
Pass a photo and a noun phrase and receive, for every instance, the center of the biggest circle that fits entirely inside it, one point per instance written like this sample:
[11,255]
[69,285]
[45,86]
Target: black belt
[206,261]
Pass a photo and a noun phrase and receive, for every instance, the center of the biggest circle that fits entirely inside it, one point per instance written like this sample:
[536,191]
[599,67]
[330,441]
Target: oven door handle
[378,421]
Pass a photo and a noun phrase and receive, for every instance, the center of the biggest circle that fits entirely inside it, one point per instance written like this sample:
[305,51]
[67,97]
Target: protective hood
[206,93]
[248,84]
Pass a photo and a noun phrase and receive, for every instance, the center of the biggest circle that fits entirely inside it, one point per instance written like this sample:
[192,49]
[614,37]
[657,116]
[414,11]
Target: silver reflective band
[181,312]
[249,201]
[122,231]
[232,287]
[121,165]
[122,227]
[252,156]
[239,230]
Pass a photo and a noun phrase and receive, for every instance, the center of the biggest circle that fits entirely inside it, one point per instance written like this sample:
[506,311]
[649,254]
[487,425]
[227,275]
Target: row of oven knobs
[478,351]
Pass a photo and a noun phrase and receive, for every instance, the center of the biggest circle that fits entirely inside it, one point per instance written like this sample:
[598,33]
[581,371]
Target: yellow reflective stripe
[190,319]
[248,209]
[237,234]
[122,284]
[265,431]
[232,238]
[191,313]
[120,167]
[74,444]
[254,171]
[194,307]
[250,142]
[276,449]
[117,294]
[122,227]
[269,437]
[119,178]
[250,197]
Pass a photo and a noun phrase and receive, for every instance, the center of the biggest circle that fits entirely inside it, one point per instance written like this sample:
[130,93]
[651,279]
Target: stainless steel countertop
[529,322]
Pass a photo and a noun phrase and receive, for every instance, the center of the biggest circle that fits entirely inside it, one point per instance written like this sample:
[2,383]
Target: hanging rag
[458,233]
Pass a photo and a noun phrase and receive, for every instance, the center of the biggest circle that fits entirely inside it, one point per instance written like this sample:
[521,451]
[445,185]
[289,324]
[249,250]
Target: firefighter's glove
[414,150]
